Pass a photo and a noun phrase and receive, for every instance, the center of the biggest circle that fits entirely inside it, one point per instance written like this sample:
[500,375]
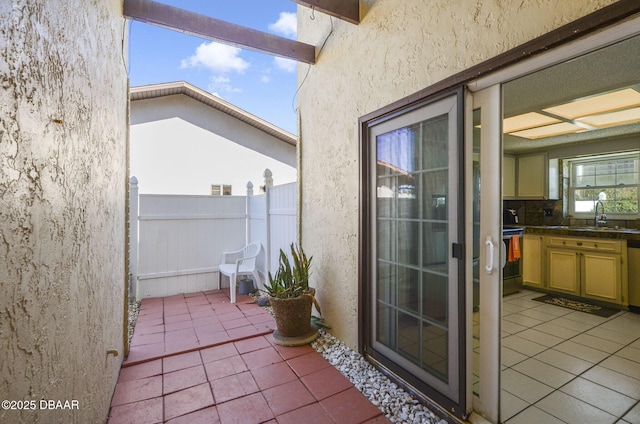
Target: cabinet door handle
[579,243]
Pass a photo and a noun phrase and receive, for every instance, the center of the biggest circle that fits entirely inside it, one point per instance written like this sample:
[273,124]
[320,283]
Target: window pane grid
[615,176]
[412,218]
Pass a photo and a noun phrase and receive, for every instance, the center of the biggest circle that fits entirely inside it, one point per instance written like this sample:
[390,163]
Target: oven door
[512,269]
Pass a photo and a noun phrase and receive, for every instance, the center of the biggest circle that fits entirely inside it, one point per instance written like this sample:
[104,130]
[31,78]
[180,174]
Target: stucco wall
[63,131]
[400,47]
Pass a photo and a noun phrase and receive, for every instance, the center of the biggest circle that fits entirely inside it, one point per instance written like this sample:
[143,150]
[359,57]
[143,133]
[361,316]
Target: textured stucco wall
[400,47]
[63,131]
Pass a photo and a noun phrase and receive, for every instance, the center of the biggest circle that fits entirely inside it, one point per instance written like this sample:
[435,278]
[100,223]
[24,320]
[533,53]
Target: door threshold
[477,419]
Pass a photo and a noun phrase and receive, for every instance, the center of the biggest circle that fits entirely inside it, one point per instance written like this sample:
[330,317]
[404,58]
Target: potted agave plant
[292,299]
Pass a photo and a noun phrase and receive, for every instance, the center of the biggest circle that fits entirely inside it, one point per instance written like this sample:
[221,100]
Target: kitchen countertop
[600,232]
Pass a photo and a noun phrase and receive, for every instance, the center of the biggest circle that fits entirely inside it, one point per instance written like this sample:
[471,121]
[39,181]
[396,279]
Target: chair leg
[219,279]
[232,287]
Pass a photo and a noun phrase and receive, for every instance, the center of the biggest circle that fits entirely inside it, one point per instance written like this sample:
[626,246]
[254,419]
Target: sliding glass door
[417,322]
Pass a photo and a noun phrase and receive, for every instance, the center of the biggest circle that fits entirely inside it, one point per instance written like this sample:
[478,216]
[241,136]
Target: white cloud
[286,25]
[265,79]
[216,57]
[222,84]
[286,65]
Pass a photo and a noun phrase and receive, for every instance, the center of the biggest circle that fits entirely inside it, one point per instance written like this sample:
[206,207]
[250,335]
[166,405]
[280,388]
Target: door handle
[488,267]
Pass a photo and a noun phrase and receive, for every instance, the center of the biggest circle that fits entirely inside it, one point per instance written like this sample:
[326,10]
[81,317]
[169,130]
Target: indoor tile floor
[563,366]
[199,359]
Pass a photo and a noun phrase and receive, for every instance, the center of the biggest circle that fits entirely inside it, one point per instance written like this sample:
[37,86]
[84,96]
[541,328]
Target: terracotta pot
[293,316]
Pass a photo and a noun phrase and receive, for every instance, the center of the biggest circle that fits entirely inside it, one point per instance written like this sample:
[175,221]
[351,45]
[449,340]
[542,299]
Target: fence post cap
[133,180]
[267,173]
[249,185]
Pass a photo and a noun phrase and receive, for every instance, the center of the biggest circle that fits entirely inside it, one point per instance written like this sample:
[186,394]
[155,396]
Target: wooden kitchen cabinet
[509,177]
[532,177]
[602,276]
[533,261]
[588,267]
[564,271]
[535,177]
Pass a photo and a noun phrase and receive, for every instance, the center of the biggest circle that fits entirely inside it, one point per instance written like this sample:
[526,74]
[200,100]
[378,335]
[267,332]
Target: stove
[512,268]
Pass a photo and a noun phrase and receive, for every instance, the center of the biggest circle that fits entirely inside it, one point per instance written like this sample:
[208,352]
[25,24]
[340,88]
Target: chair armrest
[231,255]
[245,258]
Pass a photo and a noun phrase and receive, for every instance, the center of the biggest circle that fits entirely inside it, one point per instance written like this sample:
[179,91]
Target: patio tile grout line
[286,358]
[194,349]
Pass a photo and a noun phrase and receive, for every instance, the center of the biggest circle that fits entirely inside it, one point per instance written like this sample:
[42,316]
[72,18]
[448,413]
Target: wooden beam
[348,10]
[187,22]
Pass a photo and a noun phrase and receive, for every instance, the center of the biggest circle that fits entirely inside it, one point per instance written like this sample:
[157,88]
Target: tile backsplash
[531,212]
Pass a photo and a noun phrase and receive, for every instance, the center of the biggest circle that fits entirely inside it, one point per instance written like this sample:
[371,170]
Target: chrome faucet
[602,219]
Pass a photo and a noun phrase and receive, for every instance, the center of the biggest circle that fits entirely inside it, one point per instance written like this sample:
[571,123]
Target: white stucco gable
[183,139]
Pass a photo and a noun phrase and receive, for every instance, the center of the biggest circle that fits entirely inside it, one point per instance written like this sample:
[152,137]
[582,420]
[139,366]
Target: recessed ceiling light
[548,131]
[603,103]
[622,117]
[526,120]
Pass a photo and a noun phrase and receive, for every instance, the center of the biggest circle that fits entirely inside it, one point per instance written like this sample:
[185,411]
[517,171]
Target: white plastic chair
[239,262]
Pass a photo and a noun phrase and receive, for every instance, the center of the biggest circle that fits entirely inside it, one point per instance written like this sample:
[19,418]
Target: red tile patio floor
[197,358]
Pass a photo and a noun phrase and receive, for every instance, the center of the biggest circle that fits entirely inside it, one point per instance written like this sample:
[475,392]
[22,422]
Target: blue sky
[258,83]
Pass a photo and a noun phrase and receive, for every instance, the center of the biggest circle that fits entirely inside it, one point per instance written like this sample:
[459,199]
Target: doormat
[575,305]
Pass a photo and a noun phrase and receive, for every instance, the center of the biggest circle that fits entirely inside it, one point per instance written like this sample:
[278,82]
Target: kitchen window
[612,179]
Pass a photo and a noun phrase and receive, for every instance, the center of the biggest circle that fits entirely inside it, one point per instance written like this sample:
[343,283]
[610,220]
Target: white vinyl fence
[177,240]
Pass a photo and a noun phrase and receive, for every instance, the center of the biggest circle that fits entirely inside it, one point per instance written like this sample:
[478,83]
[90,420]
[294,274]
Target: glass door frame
[454,399]
[491,249]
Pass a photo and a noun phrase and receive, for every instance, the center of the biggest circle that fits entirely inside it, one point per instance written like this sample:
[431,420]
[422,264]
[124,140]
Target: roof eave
[182,87]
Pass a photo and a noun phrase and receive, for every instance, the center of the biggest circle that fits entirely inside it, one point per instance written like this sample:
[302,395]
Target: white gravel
[134,309]
[397,405]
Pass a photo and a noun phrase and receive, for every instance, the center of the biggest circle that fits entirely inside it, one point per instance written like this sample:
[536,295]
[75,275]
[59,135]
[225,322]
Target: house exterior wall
[399,48]
[181,146]
[63,160]
[212,120]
